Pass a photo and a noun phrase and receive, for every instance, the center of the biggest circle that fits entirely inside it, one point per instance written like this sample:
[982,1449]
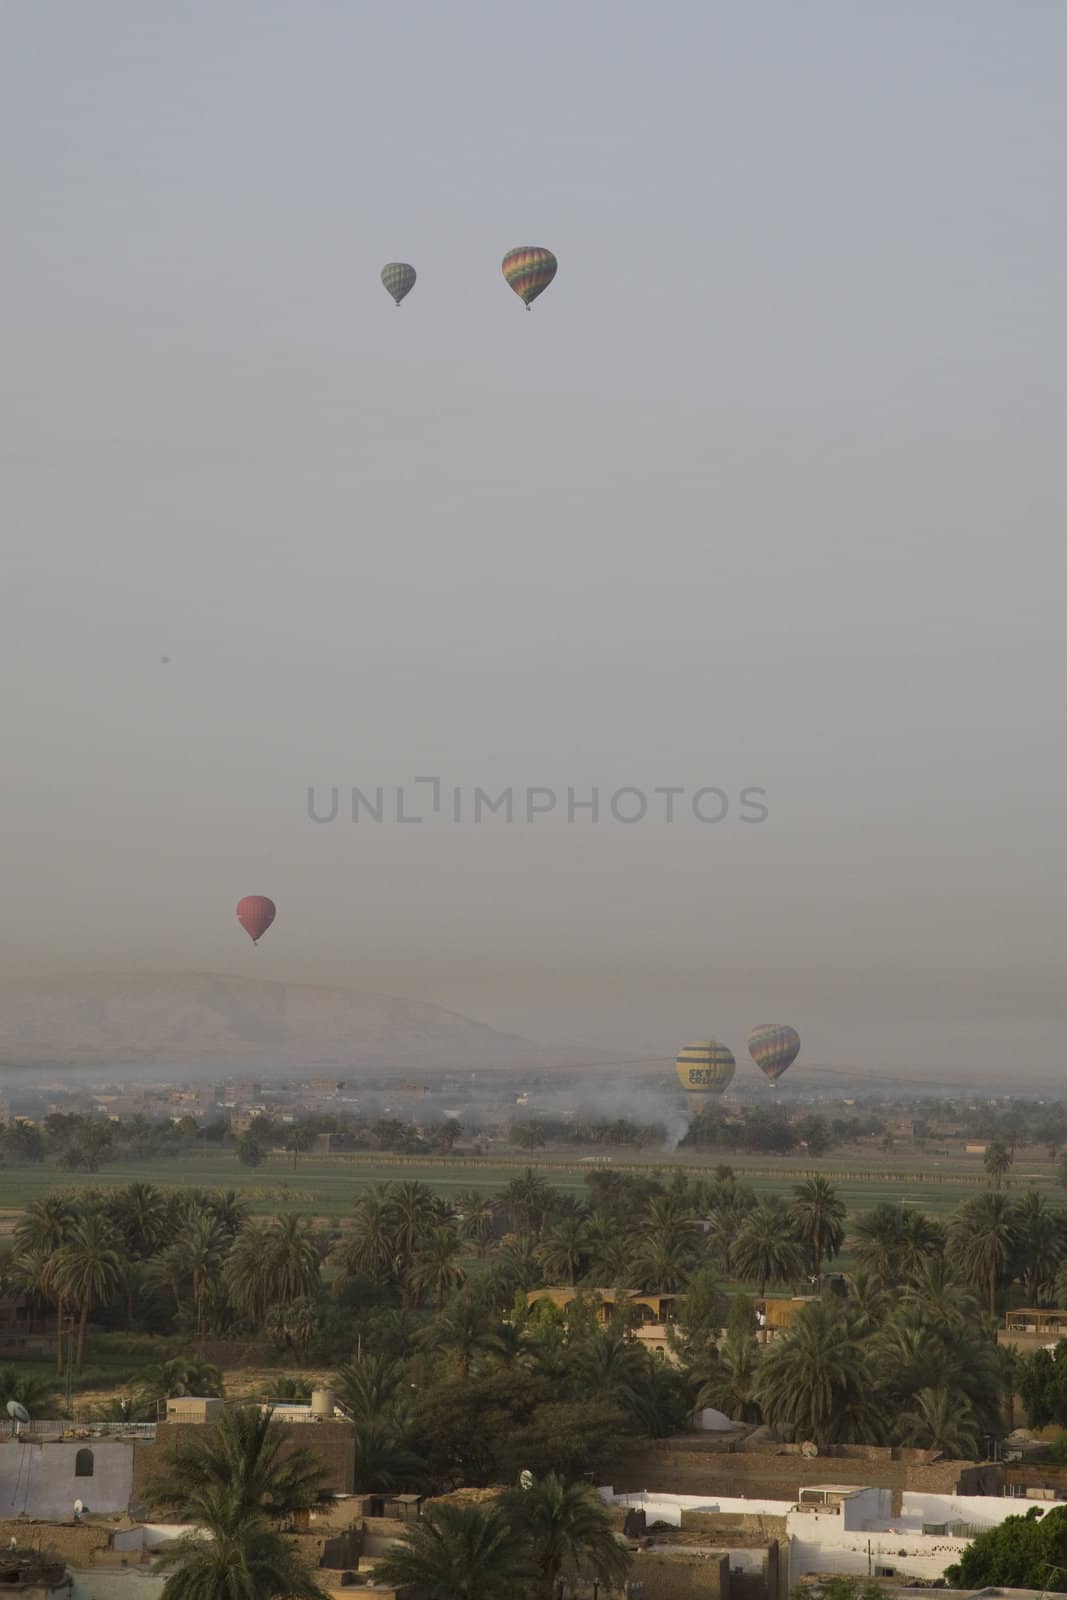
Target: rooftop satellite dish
[809,1450]
[79,1507]
[526,1480]
[17,1411]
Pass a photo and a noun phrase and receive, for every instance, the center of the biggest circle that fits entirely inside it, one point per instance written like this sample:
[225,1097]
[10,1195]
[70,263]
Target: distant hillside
[200,1020]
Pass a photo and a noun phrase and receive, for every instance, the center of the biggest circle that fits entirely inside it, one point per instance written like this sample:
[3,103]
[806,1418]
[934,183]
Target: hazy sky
[768,489]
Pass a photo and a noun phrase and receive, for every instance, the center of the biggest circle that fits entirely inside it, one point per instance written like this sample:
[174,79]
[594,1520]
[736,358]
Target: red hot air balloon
[255,913]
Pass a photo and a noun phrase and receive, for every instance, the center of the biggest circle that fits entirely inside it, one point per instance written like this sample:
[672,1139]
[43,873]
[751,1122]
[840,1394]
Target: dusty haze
[766,490]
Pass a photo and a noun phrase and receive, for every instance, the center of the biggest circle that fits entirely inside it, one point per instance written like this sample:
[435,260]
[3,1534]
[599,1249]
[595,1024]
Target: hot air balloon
[255,913]
[704,1069]
[399,279]
[529,270]
[773,1046]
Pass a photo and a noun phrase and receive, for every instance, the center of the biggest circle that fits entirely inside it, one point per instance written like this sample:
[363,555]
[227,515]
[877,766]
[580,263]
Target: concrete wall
[741,1514]
[38,1480]
[859,1554]
[149,1536]
[984,1511]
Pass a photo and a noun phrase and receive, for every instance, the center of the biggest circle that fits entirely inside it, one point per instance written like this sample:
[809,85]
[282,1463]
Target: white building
[841,1529]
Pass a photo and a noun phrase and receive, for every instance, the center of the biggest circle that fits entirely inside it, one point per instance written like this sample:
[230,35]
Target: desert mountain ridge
[214,1021]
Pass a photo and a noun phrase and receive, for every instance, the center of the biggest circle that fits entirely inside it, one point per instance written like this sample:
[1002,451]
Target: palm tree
[299,1141]
[237,1471]
[293,1259]
[368,1388]
[192,1263]
[879,1242]
[383,1461]
[818,1218]
[87,1271]
[180,1376]
[526,1202]
[765,1250]
[564,1250]
[610,1249]
[139,1215]
[913,1353]
[984,1238]
[466,1328]
[414,1209]
[1041,1244]
[921,1240]
[456,1553]
[997,1161]
[40,1231]
[606,1364]
[249,1561]
[271,1265]
[477,1213]
[868,1301]
[937,1296]
[662,1264]
[245,1275]
[287,1388]
[941,1419]
[435,1268]
[230,1211]
[816,1379]
[569,1532]
[370,1245]
[727,1377]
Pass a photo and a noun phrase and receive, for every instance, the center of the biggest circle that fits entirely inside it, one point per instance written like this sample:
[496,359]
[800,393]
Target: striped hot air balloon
[529,270]
[704,1069]
[255,913]
[399,279]
[773,1046]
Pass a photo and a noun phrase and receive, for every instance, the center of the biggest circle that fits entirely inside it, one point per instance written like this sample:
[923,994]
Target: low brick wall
[685,1575]
[79,1544]
[332,1443]
[689,1465]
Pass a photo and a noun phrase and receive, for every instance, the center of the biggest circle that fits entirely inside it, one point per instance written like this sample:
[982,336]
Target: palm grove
[420,1305]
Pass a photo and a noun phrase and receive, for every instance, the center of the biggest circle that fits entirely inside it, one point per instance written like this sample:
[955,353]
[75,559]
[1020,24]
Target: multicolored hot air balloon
[529,270]
[773,1046]
[255,913]
[399,279]
[704,1069]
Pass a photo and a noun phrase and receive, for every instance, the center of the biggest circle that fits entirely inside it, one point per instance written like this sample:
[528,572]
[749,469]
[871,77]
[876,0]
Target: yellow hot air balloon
[704,1069]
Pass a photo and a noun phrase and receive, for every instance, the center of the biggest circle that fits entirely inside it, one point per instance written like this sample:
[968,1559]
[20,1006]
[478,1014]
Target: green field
[326,1186]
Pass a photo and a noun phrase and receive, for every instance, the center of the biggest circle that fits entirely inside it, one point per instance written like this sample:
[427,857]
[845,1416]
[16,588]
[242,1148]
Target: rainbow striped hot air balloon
[773,1046]
[529,270]
[704,1069]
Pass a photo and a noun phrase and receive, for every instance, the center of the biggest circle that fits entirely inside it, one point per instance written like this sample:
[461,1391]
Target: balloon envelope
[399,279]
[774,1046]
[529,270]
[705,1068]
[255,913]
